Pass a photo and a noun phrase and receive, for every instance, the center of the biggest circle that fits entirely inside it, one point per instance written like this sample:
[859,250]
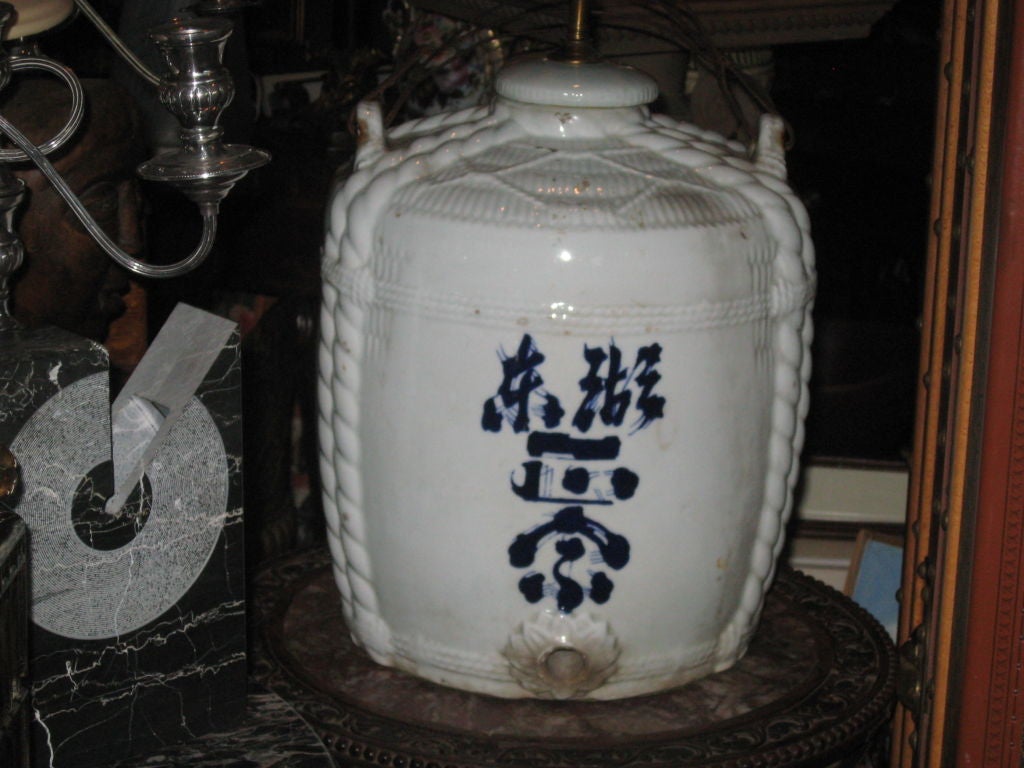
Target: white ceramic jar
[563,374]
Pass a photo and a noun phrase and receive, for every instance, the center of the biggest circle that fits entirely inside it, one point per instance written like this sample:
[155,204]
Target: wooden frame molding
[928,500]
[990,708]
[964,567]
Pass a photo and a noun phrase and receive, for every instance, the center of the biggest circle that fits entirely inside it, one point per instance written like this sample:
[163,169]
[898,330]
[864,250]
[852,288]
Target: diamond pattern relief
[521,184]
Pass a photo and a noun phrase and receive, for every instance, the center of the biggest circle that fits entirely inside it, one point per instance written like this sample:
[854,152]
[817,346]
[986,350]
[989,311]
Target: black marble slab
[15,714]
[138,612]
[37,364]
[271,734]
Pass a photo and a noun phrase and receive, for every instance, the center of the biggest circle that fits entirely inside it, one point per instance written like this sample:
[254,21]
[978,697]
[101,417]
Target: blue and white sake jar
[563,377]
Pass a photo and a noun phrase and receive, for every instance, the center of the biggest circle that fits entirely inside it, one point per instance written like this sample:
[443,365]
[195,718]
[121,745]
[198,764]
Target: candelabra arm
[77,103]
[208,212]
[118,44]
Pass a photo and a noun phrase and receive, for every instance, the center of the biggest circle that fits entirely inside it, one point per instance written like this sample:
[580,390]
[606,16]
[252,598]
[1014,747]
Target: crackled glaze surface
[563,376]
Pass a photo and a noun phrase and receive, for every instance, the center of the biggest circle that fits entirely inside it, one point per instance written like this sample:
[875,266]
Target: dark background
[862,113]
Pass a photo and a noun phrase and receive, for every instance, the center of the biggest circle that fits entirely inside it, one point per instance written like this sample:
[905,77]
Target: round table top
[816,684]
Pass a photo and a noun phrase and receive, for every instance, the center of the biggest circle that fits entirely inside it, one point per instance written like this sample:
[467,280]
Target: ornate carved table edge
[833,722]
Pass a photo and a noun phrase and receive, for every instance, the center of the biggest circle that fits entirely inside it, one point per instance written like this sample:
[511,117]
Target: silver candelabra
[196,90]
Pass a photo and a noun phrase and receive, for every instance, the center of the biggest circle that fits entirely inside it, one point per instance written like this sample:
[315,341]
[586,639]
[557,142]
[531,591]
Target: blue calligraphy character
[576,479]
[606,395]
[538,484]
[624,482]
[581,449]
[532,587]
[535,473]
[610,395]
[520,381]
[570,593]
[600,588]
[572,528]
[651,407]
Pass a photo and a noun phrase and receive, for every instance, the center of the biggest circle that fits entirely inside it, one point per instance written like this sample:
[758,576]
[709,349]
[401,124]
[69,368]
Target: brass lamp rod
[577,45]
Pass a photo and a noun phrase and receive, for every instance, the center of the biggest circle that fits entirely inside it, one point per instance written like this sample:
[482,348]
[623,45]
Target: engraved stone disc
[96,575]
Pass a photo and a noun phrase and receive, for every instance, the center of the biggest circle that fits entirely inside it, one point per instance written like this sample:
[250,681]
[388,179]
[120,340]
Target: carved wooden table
[815,688]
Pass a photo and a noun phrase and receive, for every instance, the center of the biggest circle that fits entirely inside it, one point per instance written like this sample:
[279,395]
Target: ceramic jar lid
[567,84]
